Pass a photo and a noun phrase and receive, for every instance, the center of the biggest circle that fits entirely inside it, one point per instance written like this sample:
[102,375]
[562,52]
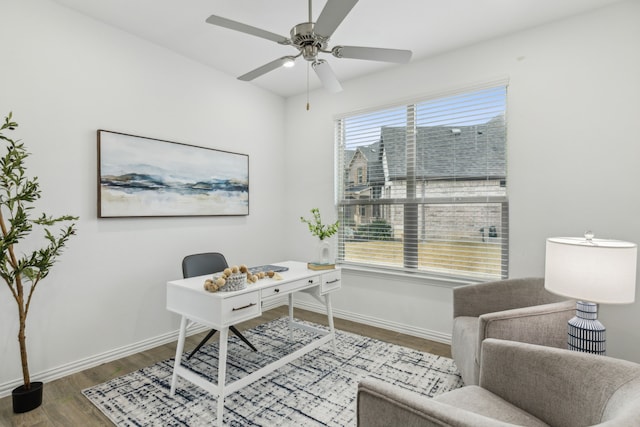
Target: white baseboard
[111,355]
[108,356]
[379,323]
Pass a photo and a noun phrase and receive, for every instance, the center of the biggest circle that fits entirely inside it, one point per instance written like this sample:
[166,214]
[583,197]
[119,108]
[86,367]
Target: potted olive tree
[23,272]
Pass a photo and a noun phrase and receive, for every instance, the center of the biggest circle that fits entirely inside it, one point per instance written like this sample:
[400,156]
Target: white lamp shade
[595,270]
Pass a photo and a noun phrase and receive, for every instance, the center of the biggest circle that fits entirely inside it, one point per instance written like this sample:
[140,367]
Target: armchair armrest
[540,324]
[475,300]
[382,404]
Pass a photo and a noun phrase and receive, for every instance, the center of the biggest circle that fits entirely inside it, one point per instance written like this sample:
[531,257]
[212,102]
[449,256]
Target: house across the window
[423,186]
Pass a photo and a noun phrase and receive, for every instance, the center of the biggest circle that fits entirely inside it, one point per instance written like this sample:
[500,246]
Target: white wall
[64,76]
[573,151]
[574,100]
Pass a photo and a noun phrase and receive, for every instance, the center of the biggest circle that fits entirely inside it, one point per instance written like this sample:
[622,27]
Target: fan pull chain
[308,65]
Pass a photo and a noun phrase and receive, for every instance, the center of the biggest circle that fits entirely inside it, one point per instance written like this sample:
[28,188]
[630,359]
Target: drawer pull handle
[333,281]
[276,290]
[310,281]
[243,307]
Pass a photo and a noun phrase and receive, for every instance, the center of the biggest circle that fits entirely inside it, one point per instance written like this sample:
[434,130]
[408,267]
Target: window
[423,187]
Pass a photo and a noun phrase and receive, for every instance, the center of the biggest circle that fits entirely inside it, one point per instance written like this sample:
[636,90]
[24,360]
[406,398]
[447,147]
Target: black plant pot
[25,400]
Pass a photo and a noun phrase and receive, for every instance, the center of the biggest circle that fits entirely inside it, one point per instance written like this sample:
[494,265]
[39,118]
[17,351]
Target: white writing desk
[220,310]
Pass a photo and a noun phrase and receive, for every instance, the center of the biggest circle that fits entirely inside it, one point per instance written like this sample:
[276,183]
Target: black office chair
[208,263]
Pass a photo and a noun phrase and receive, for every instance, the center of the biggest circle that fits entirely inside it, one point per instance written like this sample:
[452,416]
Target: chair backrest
[201,264]
[562,387]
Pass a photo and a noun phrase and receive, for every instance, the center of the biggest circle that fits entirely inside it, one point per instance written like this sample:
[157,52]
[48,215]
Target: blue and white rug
[318,389]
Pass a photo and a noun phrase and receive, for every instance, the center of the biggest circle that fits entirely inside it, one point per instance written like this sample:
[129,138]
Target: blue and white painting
[149,177]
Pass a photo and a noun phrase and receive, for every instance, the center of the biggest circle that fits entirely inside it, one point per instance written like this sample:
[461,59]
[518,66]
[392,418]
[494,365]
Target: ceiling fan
[311,39]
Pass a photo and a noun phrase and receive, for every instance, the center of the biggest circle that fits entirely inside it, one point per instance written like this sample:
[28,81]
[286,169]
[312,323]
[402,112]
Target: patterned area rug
[318,389]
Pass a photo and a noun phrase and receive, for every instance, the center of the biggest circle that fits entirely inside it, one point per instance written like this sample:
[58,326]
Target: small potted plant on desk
[322,232]
[22,272]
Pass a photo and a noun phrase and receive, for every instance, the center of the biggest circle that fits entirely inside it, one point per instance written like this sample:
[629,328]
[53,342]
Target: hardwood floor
[63,404]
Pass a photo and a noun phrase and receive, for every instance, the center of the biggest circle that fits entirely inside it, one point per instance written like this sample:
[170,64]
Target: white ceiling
[427,27]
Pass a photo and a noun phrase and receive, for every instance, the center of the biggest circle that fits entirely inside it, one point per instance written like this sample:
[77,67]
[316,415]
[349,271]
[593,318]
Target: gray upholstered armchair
[513,309]
[520,385]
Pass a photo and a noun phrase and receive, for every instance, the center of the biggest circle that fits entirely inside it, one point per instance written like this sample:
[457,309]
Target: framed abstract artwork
[146,177]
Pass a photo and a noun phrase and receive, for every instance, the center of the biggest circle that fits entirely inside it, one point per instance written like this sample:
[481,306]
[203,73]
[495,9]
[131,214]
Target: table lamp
[591,271]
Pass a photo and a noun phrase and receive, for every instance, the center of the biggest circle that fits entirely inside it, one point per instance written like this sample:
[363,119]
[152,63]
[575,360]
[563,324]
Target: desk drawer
[241,307]
[287,288]
[330,282]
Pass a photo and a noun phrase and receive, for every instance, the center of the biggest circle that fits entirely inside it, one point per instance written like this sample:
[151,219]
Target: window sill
[421,278]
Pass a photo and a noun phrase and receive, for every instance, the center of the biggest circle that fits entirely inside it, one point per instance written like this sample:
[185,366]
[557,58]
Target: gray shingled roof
[348,157]
[443,152]
[373,154]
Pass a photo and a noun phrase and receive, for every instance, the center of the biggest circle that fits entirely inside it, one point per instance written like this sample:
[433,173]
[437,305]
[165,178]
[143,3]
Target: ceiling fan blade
[372,53]
[248,29]
[264,69]
[327,76]
[332,15]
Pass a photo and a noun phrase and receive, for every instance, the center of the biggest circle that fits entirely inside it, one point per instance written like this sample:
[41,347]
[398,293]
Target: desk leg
[222,370]
[327,302]
[179,350]
[291,317]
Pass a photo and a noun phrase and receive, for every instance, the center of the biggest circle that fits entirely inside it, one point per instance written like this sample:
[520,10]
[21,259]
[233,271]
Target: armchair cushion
[382,404]
[482,402]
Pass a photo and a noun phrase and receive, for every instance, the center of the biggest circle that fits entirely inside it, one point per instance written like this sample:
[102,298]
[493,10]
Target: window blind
[423,186]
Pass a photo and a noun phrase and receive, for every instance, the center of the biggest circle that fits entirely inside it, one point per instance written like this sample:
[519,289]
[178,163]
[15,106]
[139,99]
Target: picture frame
[148,177]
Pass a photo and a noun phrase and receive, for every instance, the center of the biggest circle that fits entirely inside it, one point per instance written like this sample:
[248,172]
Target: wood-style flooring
[63,405]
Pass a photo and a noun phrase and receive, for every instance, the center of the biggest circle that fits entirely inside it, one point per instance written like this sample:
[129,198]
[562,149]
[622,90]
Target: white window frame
[413,203]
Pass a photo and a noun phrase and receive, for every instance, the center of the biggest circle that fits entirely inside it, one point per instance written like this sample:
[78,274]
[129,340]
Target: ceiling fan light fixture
[289,62]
